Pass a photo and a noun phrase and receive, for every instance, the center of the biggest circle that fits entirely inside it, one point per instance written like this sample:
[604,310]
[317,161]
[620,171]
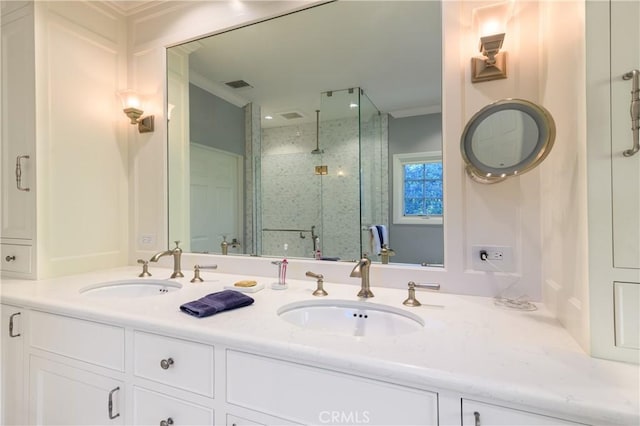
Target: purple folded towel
[216,302]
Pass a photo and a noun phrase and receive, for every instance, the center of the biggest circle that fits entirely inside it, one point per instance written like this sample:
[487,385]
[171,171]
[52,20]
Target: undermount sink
[350,318]
[142,287]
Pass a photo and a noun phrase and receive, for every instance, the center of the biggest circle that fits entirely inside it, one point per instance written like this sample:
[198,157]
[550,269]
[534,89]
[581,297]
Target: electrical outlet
[147,240]
[498,258]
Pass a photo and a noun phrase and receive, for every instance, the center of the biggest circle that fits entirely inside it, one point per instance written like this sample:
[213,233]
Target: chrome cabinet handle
[477,416]
[634,76]
[166,363]
[10,258]
[11,325]
[167,422]
[19,173]
[111,416]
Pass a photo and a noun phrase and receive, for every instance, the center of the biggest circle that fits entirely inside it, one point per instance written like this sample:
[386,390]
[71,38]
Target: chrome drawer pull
[166,363]
[167,422]
[19,173]
[11,325]
[477,416]
[111,416]
[10,258]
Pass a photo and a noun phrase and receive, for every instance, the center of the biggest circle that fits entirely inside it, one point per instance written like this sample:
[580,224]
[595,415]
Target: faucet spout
[177,256]
[361,270]
[158,255]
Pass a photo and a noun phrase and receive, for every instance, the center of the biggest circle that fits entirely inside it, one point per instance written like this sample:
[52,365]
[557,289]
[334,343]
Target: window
[417,188]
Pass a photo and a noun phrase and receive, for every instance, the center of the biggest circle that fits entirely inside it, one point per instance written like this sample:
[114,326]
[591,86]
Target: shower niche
[323,182]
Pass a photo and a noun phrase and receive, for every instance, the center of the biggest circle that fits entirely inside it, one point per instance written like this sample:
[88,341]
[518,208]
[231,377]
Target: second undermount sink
[351,318]
[142,287]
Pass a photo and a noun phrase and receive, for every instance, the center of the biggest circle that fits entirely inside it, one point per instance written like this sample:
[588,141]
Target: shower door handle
[634,76]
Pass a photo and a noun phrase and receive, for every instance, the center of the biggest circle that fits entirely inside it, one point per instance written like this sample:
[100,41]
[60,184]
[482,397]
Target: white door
[11,359]
[625,57]
[63,395]
[216,198]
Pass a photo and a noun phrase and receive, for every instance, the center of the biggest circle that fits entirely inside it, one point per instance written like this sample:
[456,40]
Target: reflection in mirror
[506,138]
[285,132]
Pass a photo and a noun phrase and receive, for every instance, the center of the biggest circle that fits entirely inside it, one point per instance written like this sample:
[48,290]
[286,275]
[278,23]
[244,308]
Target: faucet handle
[196,272]
[411,300]
[145,268]
[319,291]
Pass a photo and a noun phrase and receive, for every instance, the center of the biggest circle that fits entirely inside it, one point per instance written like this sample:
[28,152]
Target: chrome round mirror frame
[480,172]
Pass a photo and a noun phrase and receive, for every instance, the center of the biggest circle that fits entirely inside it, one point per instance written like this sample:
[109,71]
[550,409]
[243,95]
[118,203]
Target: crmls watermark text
[342,417]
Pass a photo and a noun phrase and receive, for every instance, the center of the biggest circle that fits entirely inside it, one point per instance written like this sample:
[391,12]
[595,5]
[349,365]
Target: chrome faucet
[362,270]
[177,256]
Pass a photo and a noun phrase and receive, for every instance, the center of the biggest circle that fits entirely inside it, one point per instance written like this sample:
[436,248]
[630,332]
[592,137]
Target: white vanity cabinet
[81,372]
[17,139]
[12,361]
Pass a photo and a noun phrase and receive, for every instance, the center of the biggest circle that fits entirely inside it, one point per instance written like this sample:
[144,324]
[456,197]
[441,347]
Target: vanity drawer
[480,413]
[151,408]
[174,362]
[87,341]
[16,258]
[311,395]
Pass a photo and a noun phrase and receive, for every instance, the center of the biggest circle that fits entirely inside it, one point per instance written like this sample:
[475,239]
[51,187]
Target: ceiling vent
[238,84]
[293,115]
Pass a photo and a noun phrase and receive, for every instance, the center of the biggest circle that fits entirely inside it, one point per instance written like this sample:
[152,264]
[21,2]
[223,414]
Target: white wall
[82,154]
[508,213]
[564,178]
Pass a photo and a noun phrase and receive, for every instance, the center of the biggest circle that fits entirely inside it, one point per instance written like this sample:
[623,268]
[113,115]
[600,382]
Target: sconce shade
[494,64]
[489,23]
[134,114]
[131,107]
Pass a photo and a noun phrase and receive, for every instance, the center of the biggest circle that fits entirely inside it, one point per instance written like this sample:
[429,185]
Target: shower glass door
[340,186]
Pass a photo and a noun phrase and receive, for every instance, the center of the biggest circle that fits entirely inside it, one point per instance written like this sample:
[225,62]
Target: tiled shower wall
[295,198]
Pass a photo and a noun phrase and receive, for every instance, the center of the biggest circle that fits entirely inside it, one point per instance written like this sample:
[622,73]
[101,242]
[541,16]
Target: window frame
[399,160]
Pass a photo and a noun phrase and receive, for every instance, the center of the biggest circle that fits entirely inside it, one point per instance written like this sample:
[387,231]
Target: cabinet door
[18,124]
[478,413]
[12,373]
[63,395]
[625,57]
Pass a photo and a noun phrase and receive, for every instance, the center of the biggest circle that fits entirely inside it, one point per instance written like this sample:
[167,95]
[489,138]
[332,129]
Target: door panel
[215,198]
[625,56]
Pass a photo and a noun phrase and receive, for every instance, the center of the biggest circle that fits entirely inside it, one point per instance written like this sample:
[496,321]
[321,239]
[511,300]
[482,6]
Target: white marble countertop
[468,345]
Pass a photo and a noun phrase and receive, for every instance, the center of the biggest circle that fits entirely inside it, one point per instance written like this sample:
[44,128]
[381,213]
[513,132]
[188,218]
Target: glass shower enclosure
[324,183]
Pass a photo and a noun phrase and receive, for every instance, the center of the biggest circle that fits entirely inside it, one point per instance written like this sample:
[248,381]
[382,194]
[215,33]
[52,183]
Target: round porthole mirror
[506,138]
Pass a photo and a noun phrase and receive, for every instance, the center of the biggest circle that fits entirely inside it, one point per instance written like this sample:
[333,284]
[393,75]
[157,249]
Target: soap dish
[253,289]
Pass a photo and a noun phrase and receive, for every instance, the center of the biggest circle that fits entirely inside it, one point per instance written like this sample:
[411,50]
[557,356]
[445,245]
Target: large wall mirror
[320,131]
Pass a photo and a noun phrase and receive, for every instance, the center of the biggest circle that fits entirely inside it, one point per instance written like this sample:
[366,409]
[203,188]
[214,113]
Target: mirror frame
[482,173]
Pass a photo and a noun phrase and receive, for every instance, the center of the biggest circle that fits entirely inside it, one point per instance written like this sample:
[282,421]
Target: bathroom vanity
[85,358]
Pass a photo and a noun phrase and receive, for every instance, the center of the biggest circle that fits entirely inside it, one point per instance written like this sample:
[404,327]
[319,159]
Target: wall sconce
[131,107]
[490,23]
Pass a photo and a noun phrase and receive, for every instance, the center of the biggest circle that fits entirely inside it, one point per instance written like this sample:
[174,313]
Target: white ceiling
[391,49]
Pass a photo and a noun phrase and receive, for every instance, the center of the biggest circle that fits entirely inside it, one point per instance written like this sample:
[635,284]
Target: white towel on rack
[379,237]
